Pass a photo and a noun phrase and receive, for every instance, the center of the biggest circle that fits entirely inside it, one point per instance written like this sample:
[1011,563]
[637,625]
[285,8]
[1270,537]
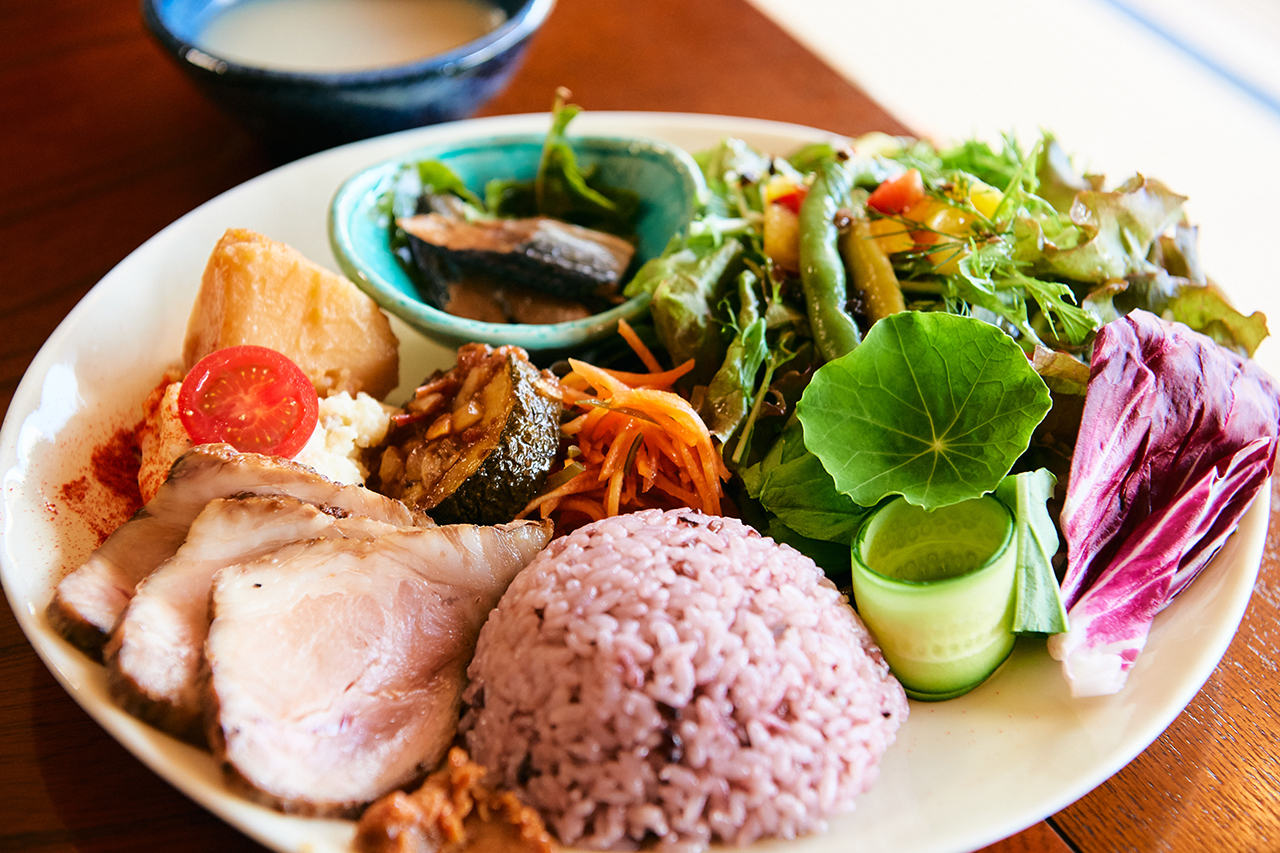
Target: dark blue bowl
[298,112]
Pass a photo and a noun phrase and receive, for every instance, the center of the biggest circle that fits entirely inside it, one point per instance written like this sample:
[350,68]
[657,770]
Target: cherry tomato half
[253,398]
[897,194]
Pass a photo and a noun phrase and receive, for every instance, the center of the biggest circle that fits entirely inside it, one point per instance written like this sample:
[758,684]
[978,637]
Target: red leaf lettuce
[1178,436]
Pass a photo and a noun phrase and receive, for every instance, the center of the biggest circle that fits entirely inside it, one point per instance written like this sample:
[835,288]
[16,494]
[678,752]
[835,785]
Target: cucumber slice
[936,589]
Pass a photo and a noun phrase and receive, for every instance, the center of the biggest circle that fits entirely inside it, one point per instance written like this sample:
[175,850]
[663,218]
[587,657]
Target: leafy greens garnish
[563,191]
[1038,607]
[1110,235]
[792,484]
[934,407]
[439,179]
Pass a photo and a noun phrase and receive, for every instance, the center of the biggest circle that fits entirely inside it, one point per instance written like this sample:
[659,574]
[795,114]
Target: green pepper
[822,273]
[870,269]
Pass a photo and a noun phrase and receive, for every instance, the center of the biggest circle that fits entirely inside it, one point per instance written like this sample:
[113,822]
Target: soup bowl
[298,112]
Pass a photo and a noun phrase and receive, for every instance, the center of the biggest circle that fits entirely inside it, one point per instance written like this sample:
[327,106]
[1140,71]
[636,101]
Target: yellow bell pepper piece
[949,228]
[891,235]
[984,198]
[777,187]
[782,236]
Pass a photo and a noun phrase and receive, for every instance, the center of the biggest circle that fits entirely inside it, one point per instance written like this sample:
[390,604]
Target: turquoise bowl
[666,178]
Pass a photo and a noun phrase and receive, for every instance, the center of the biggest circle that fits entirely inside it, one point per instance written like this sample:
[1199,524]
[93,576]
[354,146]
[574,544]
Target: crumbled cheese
[346,426]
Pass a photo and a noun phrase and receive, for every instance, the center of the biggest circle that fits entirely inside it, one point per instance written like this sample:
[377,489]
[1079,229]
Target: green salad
[794,261]
[897,321]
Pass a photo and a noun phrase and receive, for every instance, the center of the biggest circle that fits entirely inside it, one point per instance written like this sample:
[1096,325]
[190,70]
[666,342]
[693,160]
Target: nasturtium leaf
[933,407]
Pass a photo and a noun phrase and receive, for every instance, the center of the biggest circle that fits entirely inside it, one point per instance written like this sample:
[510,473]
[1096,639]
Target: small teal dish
[666,178]
[301,112]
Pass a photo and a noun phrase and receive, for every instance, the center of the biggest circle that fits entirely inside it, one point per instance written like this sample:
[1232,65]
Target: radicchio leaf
[1178,436]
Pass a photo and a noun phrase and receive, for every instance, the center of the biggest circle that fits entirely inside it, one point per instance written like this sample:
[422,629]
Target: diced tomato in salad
[791,199]
[897,194]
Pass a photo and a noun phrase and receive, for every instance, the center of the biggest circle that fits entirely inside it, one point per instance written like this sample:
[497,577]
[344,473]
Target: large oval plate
[963,774]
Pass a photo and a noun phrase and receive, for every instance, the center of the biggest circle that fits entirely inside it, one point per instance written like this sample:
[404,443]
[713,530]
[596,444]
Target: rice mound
[677,676]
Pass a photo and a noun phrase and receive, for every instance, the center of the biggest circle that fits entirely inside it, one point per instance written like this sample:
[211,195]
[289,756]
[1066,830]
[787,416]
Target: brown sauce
[453,812]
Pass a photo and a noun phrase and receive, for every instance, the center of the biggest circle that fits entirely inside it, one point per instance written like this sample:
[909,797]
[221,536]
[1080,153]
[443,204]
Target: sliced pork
[336,667]
[155,654]
[88,601]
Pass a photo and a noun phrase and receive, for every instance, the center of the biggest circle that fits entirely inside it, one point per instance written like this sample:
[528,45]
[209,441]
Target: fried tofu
[258,291]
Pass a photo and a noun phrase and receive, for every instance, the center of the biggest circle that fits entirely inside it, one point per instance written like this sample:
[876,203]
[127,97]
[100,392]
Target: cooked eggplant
[546,255]
[476,443]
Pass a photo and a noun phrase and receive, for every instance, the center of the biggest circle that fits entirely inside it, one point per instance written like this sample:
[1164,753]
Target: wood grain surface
[1212,780]
[104,143]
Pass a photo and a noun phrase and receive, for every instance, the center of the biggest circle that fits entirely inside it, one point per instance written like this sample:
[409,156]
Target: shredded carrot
[640,444]
[665,379]
[619,450]
[587,507]
[633,340]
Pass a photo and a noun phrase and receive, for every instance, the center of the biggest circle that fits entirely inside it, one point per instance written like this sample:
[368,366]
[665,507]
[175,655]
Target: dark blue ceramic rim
[518,27]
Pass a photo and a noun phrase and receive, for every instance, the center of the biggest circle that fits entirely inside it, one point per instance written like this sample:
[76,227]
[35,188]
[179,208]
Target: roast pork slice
[335,668]
[155,653]
[88,601]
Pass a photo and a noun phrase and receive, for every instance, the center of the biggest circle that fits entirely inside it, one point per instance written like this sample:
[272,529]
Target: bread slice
[259,291]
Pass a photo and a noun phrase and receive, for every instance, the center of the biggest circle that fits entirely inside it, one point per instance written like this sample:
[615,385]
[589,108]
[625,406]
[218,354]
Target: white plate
[963,774]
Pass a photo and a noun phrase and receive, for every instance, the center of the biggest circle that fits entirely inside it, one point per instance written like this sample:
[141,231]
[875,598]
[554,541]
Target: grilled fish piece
[87,602]
[541,253]
[155,654]
[336,667]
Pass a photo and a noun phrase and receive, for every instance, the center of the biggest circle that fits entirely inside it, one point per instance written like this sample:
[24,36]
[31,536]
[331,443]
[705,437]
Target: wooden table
[104,143]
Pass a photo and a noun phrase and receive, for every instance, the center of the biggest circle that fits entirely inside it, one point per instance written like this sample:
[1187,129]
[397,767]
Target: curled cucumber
[936,589]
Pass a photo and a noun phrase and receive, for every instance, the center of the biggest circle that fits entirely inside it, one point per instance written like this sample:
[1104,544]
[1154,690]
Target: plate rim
[140,739]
